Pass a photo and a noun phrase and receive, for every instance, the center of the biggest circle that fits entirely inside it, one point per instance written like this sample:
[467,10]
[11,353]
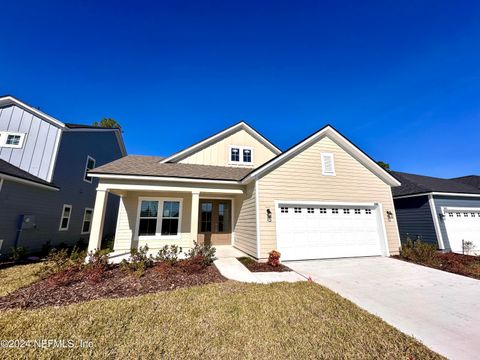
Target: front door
[215,222]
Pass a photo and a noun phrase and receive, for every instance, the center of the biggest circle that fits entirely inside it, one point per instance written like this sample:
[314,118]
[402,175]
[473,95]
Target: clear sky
[401,79]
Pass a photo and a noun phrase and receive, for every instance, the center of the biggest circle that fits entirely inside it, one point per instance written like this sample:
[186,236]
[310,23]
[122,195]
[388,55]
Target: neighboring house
[438,211]
[45,195]
[322,198]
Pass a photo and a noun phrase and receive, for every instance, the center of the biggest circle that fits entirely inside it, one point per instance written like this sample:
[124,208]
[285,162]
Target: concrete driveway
[440,309]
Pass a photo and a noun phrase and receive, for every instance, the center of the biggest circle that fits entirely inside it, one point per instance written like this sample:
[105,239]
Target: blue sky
[400,79]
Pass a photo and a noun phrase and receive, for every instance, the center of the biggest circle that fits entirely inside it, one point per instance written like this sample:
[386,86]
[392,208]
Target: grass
[228,320]
[18,276]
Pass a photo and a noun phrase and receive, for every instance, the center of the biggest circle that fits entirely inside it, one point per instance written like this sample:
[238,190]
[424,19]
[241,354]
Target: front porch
[158,214]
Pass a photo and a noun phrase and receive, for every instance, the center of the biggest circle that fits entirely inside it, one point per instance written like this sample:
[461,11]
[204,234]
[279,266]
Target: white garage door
[321,231]
[463,224]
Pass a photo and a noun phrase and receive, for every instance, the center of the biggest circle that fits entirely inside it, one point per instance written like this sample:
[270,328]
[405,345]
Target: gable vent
[328,165]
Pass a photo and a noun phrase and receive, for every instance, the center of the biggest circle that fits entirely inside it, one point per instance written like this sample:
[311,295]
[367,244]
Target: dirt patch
[75,287]
[465,265]
[255,266]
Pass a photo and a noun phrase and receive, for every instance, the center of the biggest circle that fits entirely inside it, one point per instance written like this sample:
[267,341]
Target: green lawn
[228,320]
[15,277]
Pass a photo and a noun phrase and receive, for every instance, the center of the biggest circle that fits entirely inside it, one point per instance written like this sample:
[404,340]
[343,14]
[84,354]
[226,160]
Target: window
[357,211]
[328,166]
[284,210]
[473,214]
[323,210]
[65,218]
[235,155]
[310,210]
[206,217]
[148,218]
[247,155]
[87,221]
[11,140]
[170,218]
[90,164]
[458,214]
[465,214]
[368,211]
[334,211]
[159,217]
[297,210]
[241,155]
[346,211]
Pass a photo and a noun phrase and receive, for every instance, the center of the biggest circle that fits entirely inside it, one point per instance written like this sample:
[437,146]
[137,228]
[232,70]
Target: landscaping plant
[419,251]
[273,258]
[18,253]
[169,254]
[204,253]
[138,262]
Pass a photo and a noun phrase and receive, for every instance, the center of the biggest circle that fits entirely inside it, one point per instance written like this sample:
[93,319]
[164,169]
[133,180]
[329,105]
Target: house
[45,193]
[443,212]
[321,198]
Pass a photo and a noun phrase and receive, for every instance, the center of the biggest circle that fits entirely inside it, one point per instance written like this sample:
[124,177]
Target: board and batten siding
[125,237]
[245,226]
[218,153]
[456,202]
[37,153]
[300,178]
[414,218]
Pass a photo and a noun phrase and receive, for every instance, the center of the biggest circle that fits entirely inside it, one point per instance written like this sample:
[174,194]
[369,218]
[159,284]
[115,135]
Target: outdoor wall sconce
[441,216]
[269,215]
[389,215]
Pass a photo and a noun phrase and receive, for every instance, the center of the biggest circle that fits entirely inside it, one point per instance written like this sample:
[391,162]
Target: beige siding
[127,218]
[245,226]
[218,153]
[300,178]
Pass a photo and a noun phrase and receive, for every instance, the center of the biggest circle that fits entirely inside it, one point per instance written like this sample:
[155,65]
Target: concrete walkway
[438,308]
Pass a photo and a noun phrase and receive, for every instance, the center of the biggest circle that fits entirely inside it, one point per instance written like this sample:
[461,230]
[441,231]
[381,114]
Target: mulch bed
[465,265]
[114,283]
[255,266]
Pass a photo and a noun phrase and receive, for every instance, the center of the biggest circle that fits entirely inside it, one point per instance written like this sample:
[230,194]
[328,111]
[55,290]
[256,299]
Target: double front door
[215,222]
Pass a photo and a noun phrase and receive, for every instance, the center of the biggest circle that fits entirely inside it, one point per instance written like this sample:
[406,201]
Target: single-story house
[444,212]
[321,198]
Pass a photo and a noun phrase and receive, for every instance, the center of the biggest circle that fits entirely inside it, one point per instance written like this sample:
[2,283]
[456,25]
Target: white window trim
[85,178]
[62,217]
[158,233]
[83,222]
[4,137]
[240,149]
[322,156]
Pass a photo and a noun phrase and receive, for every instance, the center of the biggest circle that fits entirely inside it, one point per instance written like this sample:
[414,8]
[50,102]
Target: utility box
[28,222]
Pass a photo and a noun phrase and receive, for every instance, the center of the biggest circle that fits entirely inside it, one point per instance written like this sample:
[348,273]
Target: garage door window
[368,211]
[357,211]
[346,211]
[310,210]
[334,211]
[284,210]
[298,210]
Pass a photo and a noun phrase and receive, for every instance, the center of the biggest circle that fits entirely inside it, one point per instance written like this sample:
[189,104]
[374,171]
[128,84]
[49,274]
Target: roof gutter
[27,182]
[163,178]
[437,193]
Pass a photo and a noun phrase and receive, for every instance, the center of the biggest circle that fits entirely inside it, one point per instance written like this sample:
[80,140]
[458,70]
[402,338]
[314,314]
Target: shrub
[468,246]
[203,252]
[273,258]
[169,254]
[18,253]
[419,251]
[46,248]
[138,261]
[97,265]
[107,242]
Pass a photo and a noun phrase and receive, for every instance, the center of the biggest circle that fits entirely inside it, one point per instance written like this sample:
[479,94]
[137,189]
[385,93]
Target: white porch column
[194,215]
[96,231]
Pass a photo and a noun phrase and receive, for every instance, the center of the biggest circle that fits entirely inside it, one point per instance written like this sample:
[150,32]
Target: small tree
[384,165]
[468,247]
[107,123]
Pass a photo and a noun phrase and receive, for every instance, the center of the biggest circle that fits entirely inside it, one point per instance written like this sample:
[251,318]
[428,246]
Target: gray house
[444,212]
[45,193]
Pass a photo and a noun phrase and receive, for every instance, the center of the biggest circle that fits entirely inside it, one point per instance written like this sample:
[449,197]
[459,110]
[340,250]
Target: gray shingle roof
[417,184]
[11,170]
[472,180]
[150,166]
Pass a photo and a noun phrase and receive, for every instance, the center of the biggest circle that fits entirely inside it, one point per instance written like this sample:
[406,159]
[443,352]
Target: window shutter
[328,166]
